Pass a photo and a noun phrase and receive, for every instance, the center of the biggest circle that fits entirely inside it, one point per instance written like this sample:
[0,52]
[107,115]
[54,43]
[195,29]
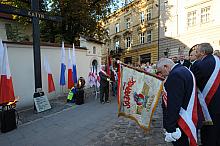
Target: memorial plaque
[41,103]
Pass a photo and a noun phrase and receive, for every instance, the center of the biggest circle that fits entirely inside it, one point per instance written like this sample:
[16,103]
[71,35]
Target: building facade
[186,23]
[133,33]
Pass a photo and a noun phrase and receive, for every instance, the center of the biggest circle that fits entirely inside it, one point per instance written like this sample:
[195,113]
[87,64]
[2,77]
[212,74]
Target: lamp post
[158,27]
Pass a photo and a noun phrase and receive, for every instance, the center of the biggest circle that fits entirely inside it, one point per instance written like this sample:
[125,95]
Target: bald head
[165,61]
[164,66]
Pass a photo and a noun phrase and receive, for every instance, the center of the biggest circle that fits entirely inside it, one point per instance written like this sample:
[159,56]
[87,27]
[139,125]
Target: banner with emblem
[138,94]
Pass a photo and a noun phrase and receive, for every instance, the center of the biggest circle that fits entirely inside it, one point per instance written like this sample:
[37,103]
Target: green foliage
[15,32]
[80,17]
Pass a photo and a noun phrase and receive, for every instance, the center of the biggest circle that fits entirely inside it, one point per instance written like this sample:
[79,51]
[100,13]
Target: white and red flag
[51,86]
[6,85]
[70,72]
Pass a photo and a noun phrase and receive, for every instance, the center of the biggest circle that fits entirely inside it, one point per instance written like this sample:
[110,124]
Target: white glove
[176,134]
[108,79]
[173,136]
[169,137]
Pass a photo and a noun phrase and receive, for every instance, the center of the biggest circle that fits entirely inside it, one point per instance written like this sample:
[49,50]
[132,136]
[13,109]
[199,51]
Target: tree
[80,17]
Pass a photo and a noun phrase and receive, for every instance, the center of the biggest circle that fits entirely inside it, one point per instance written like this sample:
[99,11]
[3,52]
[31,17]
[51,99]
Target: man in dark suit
[183,61]
[207,76]
[104,85]
[179,103]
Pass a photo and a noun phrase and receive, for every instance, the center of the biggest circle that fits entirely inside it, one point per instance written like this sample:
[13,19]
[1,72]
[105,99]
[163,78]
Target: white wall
[22,69]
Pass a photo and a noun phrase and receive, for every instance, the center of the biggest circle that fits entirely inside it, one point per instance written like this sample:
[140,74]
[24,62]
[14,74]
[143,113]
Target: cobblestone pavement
[126,132]
[122,131]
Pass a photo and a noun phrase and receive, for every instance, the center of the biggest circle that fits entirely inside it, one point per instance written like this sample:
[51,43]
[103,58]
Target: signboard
[41,103]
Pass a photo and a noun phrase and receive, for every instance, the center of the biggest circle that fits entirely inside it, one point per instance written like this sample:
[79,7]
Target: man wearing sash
[104,85]
[179,103]
[207,76]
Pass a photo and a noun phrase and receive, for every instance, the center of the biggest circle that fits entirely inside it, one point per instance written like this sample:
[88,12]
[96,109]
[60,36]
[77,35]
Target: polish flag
[51,86]
[74,65]
[6,85]
[63,66]
[70,72]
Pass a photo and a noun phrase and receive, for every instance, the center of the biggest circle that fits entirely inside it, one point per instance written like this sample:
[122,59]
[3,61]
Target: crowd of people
[191,97]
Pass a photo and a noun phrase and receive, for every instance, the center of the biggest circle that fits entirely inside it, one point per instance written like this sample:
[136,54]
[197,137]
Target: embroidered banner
[138,94]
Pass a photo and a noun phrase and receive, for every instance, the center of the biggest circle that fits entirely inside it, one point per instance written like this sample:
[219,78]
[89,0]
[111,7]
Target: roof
[45,44]
[92,39]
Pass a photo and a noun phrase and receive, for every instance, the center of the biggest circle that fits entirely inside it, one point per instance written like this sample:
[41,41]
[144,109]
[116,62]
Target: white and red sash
[209,90]
[188,118]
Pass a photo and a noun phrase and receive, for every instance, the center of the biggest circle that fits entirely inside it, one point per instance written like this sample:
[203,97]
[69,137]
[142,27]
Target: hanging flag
[63,66]
[97,77]
[70,72]
[1,55]
[6,85]
[109,63]
[138,95]
[74,65]
[51,86]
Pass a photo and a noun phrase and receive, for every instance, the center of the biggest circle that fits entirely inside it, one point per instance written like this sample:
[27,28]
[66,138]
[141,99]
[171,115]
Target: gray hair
[206,48]
[165,61]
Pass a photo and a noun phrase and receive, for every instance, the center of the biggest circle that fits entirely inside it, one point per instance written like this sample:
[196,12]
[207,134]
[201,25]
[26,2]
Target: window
[142,36]
[117,27]
[116,45]
[107,31]
[128,42]
[128,23]
[149,35]
[128,60]
[142,17]
[149,13]
[191,18]
[205,14]
[94,50]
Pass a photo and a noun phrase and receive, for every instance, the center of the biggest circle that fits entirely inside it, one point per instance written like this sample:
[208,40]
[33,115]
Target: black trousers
[182,141]
[210,134]
[104,92]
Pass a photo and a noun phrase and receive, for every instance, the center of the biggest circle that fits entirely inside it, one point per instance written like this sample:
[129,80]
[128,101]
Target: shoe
[108,101]
[102,102]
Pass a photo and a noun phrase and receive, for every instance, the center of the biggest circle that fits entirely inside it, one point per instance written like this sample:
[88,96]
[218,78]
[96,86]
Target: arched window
[94,50]
[94,65]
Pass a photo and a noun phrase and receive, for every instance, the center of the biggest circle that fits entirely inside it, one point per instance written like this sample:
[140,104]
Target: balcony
[116,53]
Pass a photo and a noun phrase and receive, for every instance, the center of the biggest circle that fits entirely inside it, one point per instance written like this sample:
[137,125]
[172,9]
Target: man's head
[203,49]
[181,57]
[164,66]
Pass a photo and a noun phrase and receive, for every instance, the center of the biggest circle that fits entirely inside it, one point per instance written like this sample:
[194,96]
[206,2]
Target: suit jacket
[103,80]
[179,86]
[203,70]
[186,63]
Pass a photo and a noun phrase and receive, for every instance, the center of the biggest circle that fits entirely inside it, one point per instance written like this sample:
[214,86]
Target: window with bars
[128,23]
[205,14]
[116,44]
[117,27]
[142,17]
[142,38]
[149,13]
[149,36]
[128,42]
[191,18]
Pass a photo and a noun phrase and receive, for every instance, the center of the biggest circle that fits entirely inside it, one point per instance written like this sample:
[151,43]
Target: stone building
[133,32]
[185,23]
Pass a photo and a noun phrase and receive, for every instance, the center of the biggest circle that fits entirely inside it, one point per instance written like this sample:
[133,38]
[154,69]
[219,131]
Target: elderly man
[183,61]
[207,75]
[179,103]
[104,85]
